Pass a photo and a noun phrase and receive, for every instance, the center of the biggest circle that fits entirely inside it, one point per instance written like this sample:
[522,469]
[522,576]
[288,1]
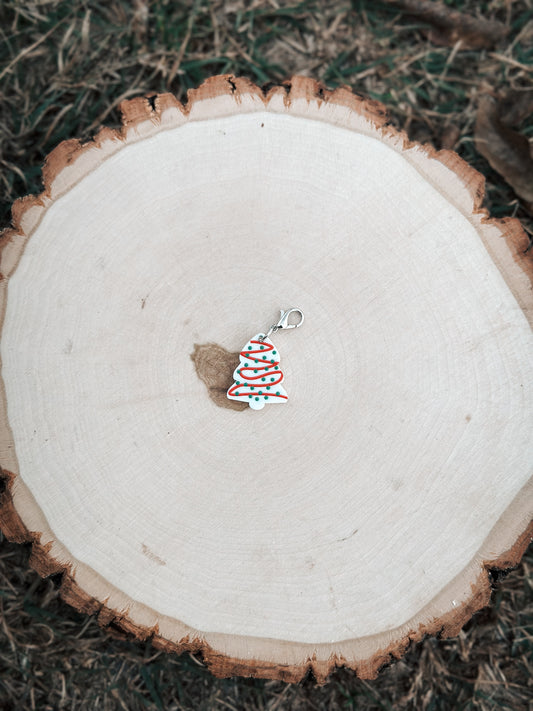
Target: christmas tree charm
[258,376]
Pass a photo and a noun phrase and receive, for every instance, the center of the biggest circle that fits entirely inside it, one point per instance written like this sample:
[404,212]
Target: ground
[64,69]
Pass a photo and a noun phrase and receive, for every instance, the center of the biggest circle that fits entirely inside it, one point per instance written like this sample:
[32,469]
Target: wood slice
[332,529]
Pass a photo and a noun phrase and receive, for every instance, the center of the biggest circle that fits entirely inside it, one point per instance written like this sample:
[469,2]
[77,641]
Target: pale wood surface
[365,509]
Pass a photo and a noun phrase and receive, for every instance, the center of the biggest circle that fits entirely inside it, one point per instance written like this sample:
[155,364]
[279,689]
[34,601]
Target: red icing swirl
[261,376]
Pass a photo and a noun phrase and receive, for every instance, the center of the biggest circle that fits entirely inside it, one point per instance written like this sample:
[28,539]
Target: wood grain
[360,515]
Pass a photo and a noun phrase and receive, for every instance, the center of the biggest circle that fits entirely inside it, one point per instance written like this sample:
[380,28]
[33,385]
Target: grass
[52,657]
[64,68]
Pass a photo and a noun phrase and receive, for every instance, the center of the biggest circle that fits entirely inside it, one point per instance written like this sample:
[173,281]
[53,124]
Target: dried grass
[64,68]
[51,657]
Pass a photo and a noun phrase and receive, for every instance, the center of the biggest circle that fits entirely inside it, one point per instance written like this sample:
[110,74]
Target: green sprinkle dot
[272,380]
[257,398]
[276,367]
[250,397]
[262,347]
[273,352]
[251,387]
[264,357]
[266,397]
[260,392]
[263,379]
[236,393]
[255,371]
[277,393]
[268,387]
[249,348]
[272,360]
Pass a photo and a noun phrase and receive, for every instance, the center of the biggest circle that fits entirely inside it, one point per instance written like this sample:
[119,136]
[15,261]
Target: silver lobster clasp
[283,322]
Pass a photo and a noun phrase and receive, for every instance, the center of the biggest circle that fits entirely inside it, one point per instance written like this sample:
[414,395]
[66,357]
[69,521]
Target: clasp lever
[284,322]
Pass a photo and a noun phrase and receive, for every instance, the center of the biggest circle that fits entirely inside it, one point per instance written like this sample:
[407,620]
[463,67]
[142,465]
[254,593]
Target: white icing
[258,376]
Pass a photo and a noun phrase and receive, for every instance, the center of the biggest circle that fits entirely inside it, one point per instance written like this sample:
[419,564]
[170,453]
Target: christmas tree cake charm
[258,376]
